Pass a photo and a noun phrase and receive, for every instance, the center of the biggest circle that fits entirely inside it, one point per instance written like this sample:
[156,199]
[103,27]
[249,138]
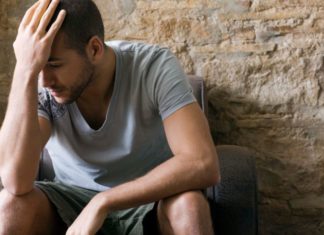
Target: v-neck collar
[77,117]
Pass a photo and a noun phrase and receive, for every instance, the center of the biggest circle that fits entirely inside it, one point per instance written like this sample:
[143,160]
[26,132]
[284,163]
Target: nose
[47,78]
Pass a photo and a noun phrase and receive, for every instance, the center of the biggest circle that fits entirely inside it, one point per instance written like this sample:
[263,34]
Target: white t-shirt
[149,86]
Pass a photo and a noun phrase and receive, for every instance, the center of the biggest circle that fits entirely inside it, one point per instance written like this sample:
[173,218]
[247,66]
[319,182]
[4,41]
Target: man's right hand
[33,43]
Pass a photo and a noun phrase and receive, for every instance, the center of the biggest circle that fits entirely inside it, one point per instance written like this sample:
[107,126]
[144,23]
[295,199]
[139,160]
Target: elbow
[211,170]
[16,189]
[215,177]
[15,184]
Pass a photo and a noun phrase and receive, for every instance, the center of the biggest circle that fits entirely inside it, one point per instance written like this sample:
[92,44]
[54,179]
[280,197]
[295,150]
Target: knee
[13,211]
[11,204]
[181,206]
[7,211]
[7,200]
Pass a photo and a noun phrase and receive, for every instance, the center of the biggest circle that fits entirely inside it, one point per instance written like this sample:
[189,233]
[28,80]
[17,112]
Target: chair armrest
[234,201]
[199,91]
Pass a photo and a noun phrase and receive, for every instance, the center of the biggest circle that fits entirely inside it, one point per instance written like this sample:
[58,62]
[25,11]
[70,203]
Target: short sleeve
[44,104]
[48,107]
[168,86]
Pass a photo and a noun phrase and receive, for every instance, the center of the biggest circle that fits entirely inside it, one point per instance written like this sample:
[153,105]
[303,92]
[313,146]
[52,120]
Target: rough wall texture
[263,61]
[11,12]
[4,67]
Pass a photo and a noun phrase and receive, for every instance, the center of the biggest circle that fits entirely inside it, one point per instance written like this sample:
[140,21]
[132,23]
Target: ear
[95,49]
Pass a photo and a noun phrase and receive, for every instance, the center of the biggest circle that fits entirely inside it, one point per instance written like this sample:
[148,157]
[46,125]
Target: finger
[48,16]
[29,14]
[39,13]
[56,25]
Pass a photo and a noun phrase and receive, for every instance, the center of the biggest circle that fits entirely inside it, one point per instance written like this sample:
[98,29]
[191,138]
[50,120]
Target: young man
[128,142]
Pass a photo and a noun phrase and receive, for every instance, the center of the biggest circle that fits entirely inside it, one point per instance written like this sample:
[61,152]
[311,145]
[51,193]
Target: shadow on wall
[289,150]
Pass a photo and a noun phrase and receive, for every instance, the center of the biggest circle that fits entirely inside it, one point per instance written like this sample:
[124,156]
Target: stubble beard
[85,77]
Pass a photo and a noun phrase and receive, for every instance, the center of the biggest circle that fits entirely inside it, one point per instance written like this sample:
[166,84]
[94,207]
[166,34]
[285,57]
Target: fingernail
[63,12]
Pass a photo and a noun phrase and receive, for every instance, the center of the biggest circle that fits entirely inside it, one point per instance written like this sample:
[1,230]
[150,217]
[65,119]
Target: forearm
[21,137]
[20,140]
[180,173]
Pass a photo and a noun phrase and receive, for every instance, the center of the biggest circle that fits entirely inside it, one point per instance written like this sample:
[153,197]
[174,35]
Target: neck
[94,101]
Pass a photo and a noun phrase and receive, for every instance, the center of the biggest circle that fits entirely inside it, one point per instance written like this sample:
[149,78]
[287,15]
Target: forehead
[60,47]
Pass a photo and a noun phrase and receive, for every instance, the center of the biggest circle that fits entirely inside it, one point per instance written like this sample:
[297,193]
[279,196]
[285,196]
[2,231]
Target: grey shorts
[70,200]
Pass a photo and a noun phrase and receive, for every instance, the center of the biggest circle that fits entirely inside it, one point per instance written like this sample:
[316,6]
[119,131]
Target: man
[128,142]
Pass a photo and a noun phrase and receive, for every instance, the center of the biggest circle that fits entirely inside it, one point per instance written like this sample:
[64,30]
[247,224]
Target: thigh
[70,201]
[150,221]
[133,221]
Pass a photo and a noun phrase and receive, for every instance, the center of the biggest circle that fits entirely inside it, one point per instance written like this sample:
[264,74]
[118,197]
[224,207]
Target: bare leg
[185,214]
[28,214]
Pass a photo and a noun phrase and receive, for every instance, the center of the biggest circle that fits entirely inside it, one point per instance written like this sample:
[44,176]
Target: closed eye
[54,65]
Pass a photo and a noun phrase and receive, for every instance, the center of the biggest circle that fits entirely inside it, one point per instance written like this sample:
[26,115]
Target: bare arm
[23,134]
[194,166]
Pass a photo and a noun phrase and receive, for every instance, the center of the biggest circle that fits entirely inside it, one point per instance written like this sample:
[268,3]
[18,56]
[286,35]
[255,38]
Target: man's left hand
[91,218]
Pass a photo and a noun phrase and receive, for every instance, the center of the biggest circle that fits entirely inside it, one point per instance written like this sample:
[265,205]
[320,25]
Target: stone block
[260,5]
[272,14]
[174,4]
[310,201]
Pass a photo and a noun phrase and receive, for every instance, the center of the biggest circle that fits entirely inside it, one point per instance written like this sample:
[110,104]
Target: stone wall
[4,68]
[11,12]
[263,62]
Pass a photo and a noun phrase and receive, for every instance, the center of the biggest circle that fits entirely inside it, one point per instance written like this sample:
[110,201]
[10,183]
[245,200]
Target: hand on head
[33,42]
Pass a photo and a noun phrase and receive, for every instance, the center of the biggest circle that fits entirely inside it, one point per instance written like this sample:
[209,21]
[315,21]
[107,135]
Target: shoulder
[125,46]
[139,50]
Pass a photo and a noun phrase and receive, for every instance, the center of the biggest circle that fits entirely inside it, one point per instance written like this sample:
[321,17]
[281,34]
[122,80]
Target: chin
[60,100]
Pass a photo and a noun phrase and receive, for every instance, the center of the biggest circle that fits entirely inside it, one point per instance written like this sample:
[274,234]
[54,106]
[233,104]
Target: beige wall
[263,62]
[4,81]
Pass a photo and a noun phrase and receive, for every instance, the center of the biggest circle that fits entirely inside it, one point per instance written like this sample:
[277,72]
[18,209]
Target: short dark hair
[82,21]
